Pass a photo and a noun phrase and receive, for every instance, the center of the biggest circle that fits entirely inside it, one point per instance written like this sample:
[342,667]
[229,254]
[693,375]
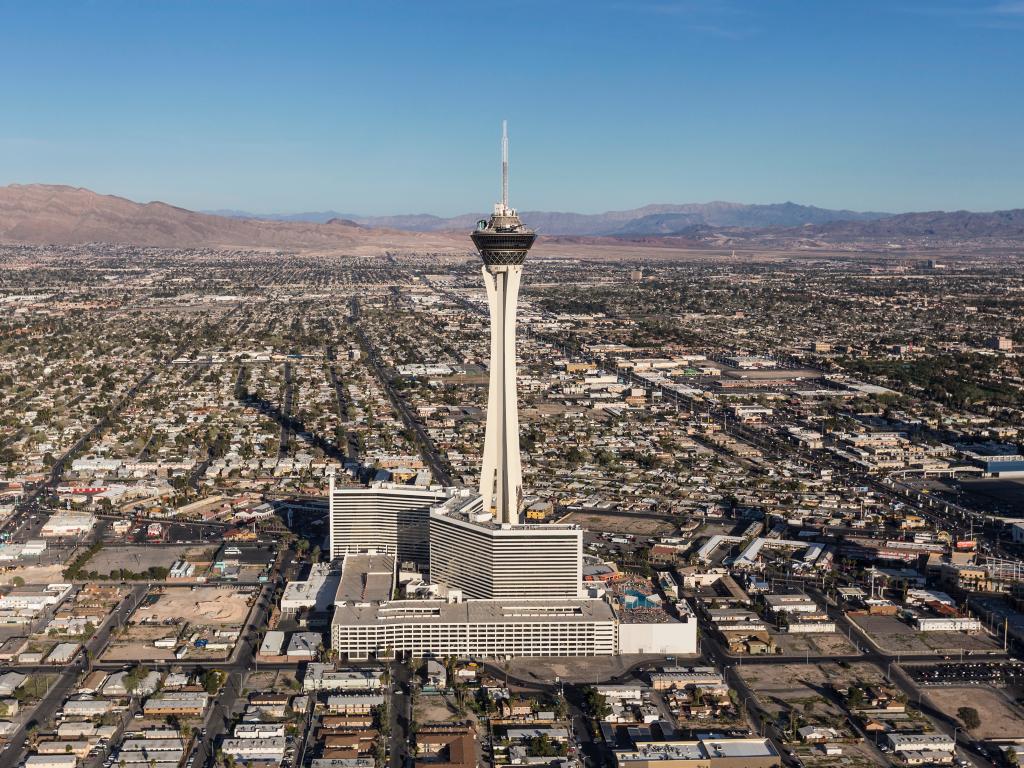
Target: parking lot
[895,636]
[968,673]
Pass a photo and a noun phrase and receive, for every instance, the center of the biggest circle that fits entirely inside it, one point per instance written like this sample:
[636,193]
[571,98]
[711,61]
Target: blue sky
[394,107]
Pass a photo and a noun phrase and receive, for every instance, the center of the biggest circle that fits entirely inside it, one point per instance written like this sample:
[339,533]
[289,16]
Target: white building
[68,524]
[259,730]
[810,627]
[304,645]
[323,677]
[472,552]
[385,518]
[245,749]
[51,761]
[316,593]
[503,243]
[669,637]
[791,603]
[920,742]
[947,624]
[476,628]
[34,599]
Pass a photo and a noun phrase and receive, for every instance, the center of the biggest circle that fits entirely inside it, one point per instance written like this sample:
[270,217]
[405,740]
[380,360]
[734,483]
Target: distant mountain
[939,224]
[41,213]
[661,219]
[38,213]
[315,217]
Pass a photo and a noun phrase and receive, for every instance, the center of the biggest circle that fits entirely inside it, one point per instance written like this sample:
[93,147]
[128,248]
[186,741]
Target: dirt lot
[282,681]
[211,606]
[434,709]
[781,686]
[136,652]
[894,636]
[34,574]
[135,643]
[624,523]
[826,644]
[999,718]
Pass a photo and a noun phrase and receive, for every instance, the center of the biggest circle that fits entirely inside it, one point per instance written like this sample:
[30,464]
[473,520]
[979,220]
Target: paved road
[286,410]
[59,691]
[351,448]
[400,714]
[437,463]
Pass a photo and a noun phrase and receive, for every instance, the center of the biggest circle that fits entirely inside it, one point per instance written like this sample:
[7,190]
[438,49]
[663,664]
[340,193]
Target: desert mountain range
[41,214]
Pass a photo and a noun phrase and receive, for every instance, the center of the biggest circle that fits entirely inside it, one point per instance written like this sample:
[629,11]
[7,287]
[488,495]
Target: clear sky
[382,107]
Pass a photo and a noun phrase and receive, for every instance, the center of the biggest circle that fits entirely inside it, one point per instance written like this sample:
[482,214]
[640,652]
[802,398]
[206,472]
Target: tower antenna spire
[504,164]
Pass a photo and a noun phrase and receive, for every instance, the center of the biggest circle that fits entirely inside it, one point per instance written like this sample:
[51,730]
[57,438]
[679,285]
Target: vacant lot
[210,606]
[596,669]
[281,681]
[999,718]
[894,636]
[782,686]
[826,644]
[135,643]
[620,523]
[33,574]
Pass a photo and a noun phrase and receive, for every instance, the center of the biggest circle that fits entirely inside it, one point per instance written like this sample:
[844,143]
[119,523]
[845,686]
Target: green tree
[969,717]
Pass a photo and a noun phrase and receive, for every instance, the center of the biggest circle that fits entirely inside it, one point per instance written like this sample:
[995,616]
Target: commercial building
[51,761]
[476,628]
[947,624]
[702,753]
[384,517]
[67,524]
[304,646]
[315,593]
[508,589]
[366,579]
[995,459]
[471,551]
[23,605]
[667,636]
[323,677]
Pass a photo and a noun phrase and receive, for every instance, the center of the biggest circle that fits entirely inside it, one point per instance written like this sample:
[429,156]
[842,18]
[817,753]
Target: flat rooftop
[468,508]
[474,612]
[366,579]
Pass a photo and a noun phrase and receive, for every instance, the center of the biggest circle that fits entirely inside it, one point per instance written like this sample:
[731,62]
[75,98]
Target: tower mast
[504,165]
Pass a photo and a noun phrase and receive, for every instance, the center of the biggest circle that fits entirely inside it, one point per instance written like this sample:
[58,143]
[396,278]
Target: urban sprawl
[764,511]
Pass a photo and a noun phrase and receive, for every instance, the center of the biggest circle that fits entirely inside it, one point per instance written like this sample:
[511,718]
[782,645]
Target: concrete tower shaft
[503,243]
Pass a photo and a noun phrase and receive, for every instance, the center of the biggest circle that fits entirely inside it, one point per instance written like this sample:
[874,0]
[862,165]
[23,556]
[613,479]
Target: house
[817,734]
